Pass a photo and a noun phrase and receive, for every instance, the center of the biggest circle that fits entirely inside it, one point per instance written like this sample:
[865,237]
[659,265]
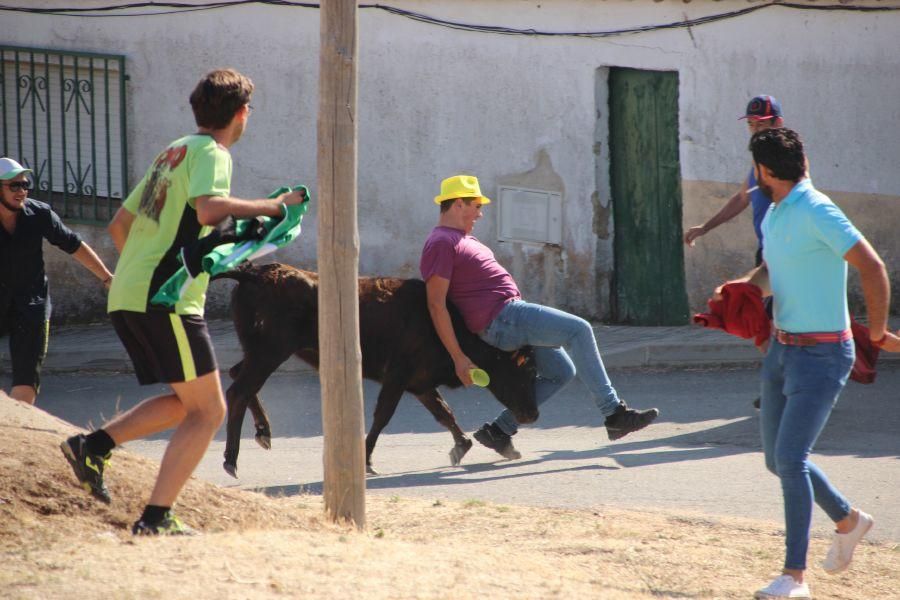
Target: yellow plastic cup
[479,377]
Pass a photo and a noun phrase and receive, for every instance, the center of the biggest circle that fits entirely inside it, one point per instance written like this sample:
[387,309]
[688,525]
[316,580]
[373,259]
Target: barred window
[62,114]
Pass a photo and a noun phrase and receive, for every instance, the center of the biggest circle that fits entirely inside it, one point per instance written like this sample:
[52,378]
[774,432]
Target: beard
[764,188]
[11,206]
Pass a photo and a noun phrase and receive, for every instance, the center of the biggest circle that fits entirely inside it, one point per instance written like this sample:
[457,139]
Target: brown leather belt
[811,339]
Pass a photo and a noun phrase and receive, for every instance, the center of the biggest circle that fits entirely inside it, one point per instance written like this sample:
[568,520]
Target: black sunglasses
[18,186]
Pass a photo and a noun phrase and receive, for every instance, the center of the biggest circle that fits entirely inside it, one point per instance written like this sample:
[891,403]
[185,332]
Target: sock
[496,427]
[154,514]
[99,443]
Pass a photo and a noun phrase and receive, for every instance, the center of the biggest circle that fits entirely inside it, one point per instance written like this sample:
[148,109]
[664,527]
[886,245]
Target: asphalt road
[701,456]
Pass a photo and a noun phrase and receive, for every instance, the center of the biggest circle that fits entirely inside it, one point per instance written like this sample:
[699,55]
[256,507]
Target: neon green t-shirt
[165,220]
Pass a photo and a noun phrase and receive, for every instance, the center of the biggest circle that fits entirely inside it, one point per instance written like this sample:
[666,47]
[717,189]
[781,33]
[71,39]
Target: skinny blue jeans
[564,346]
[800,386]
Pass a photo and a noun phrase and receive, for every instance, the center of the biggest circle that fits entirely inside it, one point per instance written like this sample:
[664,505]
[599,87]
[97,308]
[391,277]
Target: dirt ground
[57,542]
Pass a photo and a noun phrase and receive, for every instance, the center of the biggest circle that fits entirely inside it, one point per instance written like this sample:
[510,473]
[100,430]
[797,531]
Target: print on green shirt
[166,219]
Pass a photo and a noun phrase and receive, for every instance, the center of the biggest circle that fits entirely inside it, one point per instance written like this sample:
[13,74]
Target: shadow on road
[445,476]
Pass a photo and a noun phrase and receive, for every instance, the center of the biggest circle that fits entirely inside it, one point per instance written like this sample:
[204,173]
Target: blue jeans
[800,385]
[563,346]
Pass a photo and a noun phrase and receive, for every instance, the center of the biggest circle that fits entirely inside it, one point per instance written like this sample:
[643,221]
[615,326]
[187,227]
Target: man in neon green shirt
[184,193]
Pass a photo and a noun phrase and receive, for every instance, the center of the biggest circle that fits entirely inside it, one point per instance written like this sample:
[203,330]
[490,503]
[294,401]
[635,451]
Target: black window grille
[62,114]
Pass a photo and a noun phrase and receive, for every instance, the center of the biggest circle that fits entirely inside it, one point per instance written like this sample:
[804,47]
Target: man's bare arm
[436,288]
[89,259]
[211,210]
[758,276]
[119,227]
[735,206]
[876,290]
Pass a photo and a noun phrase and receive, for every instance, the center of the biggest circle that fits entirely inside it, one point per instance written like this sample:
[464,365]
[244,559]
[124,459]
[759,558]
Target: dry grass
[56,542]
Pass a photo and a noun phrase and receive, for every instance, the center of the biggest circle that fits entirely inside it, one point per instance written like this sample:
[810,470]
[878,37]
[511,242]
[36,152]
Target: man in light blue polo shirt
[808,243]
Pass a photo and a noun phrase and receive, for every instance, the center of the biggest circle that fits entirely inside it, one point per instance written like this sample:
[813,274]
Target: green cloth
[279,233]
[165,219]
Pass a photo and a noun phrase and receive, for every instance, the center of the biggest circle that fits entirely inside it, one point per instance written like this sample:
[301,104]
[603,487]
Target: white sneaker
[783,586]
[843,544]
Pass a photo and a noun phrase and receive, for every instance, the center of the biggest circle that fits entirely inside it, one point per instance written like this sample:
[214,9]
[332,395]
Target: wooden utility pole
[340,367]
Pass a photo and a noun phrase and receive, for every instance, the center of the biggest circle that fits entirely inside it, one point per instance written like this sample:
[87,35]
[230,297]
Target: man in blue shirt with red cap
[763,112]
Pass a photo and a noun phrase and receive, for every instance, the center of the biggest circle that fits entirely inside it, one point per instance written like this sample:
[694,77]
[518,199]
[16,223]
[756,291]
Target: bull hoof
[370,470]
[230,469]
[264,437]
[459,450]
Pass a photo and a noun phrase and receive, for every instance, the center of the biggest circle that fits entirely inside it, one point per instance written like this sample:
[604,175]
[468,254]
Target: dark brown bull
[275,311]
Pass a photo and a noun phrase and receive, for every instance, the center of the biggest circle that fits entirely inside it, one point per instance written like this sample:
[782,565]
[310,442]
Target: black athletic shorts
[27,348]
[165,347]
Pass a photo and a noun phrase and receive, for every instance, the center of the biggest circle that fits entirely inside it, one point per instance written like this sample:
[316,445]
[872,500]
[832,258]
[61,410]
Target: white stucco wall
[435,101]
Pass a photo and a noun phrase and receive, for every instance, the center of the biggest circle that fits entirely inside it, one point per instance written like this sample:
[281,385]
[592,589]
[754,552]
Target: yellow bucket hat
[460,186]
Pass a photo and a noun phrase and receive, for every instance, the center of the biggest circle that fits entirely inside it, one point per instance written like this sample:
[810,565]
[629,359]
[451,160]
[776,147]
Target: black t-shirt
[23,283]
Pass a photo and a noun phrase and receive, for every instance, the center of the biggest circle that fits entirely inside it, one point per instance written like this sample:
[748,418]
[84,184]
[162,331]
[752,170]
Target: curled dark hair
[781,151]
[218,96]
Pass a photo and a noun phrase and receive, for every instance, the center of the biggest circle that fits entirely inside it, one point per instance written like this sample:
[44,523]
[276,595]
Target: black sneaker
[627,420]
[756,404]
[88,468]
[170,525]
[494,438]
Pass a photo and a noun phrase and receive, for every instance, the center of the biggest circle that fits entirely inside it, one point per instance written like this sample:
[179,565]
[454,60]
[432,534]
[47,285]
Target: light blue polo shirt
[806,237]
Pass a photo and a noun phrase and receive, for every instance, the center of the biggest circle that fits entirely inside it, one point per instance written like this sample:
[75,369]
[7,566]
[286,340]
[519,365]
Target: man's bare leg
[23,393]
[204,405]
[150,416]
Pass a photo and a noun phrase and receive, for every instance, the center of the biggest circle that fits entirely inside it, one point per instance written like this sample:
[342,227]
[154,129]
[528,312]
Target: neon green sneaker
[88,467]
[170,525]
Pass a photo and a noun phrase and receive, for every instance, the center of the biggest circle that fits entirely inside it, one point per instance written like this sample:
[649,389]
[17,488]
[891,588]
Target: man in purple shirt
[459,268]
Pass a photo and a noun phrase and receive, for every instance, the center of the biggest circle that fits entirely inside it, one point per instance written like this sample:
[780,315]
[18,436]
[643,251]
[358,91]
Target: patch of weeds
[473,503]
[379,533]
[503,509]
[394,499]
[438,503]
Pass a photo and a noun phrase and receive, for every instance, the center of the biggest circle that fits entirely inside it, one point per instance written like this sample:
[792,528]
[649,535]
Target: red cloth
[741,312]
[866,354]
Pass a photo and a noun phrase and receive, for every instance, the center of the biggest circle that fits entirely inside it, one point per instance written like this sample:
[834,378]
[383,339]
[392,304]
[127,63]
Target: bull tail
[244,273]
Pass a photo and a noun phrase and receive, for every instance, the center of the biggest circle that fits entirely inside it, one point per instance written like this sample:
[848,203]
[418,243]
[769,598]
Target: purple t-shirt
[479,286]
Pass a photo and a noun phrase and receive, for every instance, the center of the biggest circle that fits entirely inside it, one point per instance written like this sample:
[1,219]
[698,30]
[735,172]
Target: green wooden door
[645,181]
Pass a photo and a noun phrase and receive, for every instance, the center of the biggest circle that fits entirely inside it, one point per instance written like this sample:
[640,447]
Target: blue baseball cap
[763,107]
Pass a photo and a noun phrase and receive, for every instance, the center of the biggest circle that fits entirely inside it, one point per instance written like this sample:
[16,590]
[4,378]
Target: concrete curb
[688,355]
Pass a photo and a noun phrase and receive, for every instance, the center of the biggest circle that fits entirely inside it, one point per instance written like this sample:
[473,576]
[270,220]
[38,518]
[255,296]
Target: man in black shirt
[24,300]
